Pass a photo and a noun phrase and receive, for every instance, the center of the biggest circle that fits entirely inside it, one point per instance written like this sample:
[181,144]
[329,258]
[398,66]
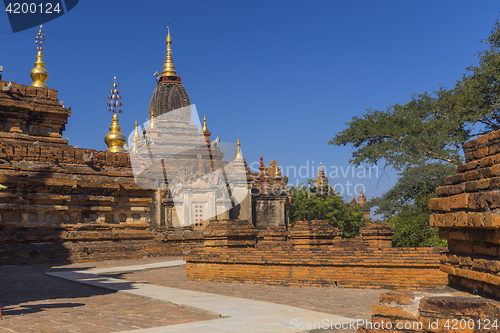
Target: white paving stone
[238,314]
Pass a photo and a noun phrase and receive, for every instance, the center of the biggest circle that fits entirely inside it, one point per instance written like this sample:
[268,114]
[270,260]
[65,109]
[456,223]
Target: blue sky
[287,74]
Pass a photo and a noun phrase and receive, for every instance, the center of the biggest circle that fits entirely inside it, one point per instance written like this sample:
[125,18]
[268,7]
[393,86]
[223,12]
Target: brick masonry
[310,254]
[64,203]
[467,212]
[421,311]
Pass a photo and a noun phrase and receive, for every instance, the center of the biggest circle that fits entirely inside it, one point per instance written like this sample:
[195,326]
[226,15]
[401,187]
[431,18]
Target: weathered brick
[472,175]
[484,200]
[486,265]
[457,189]
[459,201]
[42,93]
[487,161]
[442,191]
[477,185]
[494,183]
[394,312]
[495,135]
[495,159]
[491,220]
[400,297]
[485,249]
[454,179]
[475,220]
[495,170]
[463,247]
[33,151]
[439,204]
[52,94]
[30,91]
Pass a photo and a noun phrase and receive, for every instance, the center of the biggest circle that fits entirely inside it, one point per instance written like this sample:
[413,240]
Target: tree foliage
[415,186]
[312,203]
[404,206]
[411,228]
[433,126]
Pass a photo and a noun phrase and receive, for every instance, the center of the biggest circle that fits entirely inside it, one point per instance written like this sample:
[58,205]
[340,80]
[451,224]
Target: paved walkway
[35,302]
[239,314]
[164,301]
[351,303]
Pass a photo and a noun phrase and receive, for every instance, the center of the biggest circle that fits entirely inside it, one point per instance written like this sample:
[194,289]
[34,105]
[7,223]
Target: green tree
[411,228]
[312,203]
[415,133]
[404,206]
[431,127]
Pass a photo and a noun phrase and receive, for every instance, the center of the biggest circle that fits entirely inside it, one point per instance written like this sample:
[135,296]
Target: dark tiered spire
[321,179]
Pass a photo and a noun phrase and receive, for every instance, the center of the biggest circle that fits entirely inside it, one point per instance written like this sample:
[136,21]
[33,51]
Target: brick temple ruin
[63,203]
[67,204]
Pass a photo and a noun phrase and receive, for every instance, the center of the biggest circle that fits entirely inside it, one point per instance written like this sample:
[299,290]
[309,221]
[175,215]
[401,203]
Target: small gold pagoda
[205,131]
[115,140]
[39,74]
[238,154]
[135,138]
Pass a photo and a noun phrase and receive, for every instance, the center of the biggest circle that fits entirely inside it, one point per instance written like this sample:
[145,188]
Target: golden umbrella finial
[238,154]
[204,128]
[39,74]
[168,66]
[115,140]
[114,104]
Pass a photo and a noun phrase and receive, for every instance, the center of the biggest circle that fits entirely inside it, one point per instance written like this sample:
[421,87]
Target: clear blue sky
[287,74]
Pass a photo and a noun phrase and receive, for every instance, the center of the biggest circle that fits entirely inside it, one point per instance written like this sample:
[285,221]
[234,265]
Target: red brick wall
[394,268]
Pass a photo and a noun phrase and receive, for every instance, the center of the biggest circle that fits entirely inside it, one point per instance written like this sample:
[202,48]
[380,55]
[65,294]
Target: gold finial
[168,66]
[114,104]
[238,153]
[115,139]
[204,128]
[39,74]
[135,137]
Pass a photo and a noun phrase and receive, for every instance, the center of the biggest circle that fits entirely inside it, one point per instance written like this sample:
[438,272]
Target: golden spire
[238,153]
[135,137]
[168,66]
[204,128]
[115,139]
[39,74]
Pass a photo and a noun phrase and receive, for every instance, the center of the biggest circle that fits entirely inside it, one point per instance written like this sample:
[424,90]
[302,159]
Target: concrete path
[237,314]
